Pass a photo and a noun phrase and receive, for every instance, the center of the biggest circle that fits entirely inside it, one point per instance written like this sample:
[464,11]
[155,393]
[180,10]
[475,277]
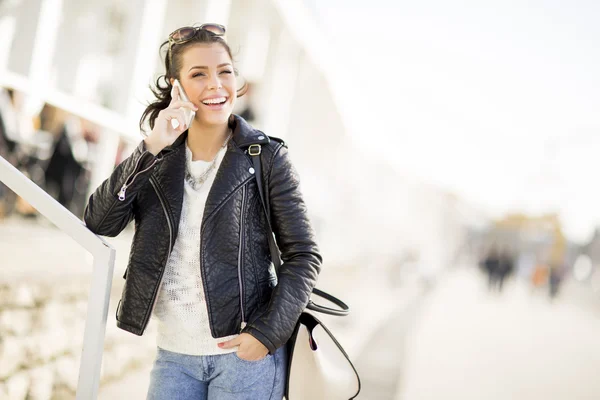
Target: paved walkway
[460,342]
[468,344]
[382,359]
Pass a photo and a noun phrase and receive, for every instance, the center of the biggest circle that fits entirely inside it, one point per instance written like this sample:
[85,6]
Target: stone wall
[44,286]
[41,338]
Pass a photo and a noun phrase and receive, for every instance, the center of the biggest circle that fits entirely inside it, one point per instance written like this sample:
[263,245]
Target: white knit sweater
[181,310]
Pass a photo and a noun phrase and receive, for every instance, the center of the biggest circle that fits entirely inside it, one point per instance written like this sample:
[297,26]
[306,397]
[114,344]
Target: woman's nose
[215,82]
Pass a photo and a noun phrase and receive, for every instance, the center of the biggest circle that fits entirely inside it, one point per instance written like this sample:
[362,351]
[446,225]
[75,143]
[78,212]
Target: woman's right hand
[164,134]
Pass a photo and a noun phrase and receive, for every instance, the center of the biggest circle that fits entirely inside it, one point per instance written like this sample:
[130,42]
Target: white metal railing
[104,262]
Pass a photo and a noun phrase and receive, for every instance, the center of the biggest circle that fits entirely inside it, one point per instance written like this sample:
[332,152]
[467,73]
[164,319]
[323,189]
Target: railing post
[95,325]
[101,280]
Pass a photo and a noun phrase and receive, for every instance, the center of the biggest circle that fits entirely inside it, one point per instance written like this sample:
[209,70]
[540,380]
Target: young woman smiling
[200,260]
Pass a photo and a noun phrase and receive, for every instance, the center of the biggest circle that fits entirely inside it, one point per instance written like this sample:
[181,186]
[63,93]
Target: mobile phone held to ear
[189,114]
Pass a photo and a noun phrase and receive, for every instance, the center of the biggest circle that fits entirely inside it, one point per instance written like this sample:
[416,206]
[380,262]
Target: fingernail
[220,344]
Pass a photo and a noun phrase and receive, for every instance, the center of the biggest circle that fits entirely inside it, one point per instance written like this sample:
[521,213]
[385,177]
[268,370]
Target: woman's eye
[226,71]
[197,74]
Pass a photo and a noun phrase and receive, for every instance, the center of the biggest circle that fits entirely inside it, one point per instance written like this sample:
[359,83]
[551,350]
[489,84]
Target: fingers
[174,94]
[249,349]
[183,104]
[230,344]
[176,117]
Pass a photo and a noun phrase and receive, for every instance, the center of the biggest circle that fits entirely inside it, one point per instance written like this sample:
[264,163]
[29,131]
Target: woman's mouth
[216,103]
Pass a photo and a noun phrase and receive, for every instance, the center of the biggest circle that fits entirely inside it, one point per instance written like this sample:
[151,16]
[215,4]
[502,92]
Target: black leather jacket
[238,276]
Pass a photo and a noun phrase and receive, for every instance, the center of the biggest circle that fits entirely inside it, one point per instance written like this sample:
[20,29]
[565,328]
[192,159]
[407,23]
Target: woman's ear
[242,91]
[244,88]
[172,80]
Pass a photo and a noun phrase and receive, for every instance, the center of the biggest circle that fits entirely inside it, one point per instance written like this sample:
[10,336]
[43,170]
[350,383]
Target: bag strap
[255,151]
[256,161]
[341,312]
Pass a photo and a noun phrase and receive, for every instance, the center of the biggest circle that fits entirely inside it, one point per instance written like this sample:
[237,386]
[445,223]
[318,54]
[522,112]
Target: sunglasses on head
[187,33]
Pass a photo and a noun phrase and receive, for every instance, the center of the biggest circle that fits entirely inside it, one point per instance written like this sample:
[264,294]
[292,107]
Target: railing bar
[50,208]
[101,279]
[95,326]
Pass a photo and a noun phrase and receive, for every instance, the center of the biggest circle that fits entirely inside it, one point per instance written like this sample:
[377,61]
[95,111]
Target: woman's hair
[162,92]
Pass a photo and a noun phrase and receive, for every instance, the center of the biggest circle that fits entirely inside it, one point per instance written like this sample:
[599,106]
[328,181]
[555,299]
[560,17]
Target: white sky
[496,100]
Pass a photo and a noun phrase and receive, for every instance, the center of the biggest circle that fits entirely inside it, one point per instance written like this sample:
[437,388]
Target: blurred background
[451,187]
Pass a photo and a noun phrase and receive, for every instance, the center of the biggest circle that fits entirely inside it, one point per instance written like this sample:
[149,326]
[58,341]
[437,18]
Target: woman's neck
[205,141]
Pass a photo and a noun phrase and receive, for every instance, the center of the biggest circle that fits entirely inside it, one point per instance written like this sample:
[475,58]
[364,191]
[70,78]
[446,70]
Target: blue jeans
[220,377]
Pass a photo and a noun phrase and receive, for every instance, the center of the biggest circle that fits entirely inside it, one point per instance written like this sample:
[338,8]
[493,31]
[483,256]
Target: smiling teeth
[218,100]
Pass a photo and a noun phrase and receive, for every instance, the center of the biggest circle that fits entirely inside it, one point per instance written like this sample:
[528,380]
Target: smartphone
[189,114]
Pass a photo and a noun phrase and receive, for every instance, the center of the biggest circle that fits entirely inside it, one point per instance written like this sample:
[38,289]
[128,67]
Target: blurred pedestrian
[9,122]
[8,134]
[492,265]
[554,280]
[201,249]
[504,269]
[65,175]
[63,170]
[539,277]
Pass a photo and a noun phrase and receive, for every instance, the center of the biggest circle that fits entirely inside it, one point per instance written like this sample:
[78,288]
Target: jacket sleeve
[109,208]
[301,261]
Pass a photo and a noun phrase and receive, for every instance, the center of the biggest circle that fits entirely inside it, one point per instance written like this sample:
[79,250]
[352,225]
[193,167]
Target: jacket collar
[235,169]
[244,135]
[236,166]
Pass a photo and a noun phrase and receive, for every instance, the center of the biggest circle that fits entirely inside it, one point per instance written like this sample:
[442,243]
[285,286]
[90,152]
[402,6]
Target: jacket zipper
[203,274]
[164,207]
[240,255]
[132,177]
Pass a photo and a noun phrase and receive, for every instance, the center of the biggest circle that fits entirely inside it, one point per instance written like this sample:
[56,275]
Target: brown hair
[162,91]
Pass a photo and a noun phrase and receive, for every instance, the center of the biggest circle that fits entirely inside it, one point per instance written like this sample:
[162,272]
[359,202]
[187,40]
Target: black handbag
[318,367]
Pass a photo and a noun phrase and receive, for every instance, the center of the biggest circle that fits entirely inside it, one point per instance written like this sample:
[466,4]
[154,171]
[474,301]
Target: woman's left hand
[250,349]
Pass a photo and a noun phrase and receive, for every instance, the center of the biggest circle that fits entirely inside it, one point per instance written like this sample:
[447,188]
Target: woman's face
[209,81]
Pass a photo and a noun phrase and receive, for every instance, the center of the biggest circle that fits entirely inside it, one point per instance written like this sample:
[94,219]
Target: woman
[200,260]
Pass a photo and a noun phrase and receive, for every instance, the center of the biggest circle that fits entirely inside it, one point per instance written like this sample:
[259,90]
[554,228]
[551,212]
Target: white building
[96,59]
